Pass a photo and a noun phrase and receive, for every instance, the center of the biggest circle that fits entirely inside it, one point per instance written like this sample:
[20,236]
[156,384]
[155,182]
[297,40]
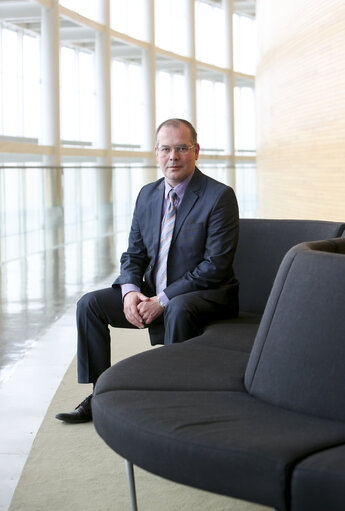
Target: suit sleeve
[215,267]
[135,260]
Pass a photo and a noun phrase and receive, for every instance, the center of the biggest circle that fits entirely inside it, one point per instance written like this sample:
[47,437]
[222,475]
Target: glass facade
[83,85]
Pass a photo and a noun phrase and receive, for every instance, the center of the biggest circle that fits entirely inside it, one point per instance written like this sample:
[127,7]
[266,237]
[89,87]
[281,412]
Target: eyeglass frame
[180,149]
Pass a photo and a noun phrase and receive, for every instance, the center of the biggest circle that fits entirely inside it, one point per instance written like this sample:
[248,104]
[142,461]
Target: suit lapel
[155,210]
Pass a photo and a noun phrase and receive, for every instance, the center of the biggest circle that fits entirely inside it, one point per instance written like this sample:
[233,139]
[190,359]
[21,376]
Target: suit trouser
[184,318]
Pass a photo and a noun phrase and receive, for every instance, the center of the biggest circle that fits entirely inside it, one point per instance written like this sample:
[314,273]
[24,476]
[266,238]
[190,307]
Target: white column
[190,69]
[103,119]
[50,93]
[103,84]
[228,6]
[50,123]
[149,80]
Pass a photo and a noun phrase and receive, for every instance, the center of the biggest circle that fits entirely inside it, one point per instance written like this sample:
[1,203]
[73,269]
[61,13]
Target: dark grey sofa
[262,422]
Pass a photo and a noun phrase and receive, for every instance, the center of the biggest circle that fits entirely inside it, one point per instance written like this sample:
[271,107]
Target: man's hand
[130,308]
[150,309]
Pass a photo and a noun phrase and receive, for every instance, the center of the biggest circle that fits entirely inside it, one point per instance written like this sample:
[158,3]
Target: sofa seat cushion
[215,360]
[235,334]
[185,366]
[225,442]
[318,482]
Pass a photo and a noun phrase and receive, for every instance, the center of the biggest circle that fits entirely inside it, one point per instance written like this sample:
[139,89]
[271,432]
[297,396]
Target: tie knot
[172,197]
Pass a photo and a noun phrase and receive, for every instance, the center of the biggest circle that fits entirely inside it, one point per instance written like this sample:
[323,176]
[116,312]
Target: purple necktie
[165,241]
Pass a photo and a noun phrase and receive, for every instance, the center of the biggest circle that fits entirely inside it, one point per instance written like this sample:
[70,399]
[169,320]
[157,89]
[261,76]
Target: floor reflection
[37,290]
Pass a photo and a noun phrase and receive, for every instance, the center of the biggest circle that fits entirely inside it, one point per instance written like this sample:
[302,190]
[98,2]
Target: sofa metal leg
[131,484]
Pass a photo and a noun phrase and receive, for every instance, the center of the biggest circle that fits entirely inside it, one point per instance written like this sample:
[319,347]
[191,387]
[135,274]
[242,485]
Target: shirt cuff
[162,297]
[127,288]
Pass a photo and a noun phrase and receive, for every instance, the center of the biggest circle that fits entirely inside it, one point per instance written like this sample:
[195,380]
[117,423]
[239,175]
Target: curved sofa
[254,407]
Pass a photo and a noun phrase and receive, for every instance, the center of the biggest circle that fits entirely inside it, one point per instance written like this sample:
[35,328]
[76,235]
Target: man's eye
[181,148]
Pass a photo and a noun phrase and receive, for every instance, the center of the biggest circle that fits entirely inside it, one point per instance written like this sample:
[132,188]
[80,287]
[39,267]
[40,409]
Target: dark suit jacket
[203,245]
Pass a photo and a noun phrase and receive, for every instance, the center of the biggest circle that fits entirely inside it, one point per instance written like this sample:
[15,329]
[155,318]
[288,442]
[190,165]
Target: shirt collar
[179,189]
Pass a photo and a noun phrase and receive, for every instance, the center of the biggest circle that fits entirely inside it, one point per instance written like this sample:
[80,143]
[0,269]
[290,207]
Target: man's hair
[175,123]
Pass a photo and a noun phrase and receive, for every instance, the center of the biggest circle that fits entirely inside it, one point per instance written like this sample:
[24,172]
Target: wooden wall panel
[300,89]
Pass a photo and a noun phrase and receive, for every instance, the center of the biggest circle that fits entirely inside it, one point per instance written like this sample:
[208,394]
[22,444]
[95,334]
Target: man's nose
[173,153]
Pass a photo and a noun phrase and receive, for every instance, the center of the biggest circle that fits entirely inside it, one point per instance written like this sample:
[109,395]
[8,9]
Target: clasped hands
[141,310]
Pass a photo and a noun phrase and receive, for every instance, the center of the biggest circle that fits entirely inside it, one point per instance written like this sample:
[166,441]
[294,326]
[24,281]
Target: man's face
[176,165]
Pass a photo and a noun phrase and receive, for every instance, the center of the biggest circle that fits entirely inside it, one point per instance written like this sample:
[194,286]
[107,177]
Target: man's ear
[197,149]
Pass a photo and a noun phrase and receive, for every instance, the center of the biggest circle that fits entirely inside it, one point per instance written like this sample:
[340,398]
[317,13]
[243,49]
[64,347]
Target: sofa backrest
[298,357]
[261,248]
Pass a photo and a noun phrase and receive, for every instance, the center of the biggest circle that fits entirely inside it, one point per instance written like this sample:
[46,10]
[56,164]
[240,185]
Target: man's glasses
[181,149]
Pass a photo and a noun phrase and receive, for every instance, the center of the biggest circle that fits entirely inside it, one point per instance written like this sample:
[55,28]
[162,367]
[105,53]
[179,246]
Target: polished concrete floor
[38,339]
[36,290]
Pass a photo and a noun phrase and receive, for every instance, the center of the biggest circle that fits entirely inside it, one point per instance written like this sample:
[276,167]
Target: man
[176,274]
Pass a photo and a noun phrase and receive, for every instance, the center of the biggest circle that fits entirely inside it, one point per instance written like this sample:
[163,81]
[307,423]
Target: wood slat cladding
[300,89]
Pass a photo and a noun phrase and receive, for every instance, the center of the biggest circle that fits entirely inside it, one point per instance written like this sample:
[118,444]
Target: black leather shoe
[82,413]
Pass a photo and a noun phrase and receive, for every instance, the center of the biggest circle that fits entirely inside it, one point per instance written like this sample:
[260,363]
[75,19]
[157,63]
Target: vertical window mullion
[20,81]
[78,93]
[1,85]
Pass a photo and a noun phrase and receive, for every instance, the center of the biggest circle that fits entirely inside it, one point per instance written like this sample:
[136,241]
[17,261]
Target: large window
[170,94]
[127,104]
[244,28]
[77,95]
[171,27]
[84,83]
[244,119]
[211,115]
[210,35]
[128,16]
[19,83]
[88,8]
